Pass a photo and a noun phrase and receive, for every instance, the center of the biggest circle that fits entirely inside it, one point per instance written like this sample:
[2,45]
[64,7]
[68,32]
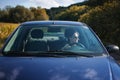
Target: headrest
[69,32]
[37,33]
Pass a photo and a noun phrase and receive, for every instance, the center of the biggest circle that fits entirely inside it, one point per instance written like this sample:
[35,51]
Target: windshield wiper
[47,54]
[70,53]
[30,54]
[15,53]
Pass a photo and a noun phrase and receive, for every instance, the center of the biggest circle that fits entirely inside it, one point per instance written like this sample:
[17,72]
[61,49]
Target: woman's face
[74,38]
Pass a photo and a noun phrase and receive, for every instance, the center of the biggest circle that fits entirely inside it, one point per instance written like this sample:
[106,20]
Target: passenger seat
[35,41]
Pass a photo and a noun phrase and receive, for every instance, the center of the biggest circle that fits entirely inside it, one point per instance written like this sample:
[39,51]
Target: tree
[39,14]
[72,13]
[105,20]
[94,3]
[4,15]
[20,14]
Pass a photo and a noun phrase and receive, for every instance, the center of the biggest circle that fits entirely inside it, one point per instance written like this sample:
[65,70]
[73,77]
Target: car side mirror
[112,48]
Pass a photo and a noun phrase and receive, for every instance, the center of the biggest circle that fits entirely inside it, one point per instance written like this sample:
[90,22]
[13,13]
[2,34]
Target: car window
[53,38]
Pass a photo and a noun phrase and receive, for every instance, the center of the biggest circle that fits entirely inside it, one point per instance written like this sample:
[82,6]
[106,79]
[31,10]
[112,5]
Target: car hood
[50,68]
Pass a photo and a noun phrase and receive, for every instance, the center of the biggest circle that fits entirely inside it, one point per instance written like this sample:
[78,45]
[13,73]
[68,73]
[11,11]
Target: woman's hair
[69,32]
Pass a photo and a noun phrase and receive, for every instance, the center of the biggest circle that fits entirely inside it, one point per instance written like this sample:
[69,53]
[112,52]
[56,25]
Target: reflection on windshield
[47,38]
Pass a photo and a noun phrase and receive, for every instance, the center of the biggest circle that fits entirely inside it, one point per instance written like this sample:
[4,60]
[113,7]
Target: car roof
[52,23]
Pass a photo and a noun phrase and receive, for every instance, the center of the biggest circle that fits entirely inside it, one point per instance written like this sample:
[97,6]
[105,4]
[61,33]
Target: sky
[35,3]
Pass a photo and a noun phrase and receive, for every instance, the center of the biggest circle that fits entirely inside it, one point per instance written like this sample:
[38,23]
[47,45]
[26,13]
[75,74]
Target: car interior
[37,41]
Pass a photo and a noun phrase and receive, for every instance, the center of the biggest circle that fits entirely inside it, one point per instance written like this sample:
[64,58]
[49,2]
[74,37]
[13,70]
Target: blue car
[57,50]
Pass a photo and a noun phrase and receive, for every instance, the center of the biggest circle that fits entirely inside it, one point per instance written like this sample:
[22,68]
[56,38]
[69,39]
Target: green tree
[72,13]
[20,14]
[105,20]
[4,14]
[94,3]
[55,10]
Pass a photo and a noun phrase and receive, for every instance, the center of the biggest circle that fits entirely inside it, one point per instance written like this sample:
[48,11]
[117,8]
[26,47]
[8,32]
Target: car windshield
[54,38]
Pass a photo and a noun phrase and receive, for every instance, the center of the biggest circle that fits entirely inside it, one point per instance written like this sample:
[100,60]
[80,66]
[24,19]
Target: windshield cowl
[50,54]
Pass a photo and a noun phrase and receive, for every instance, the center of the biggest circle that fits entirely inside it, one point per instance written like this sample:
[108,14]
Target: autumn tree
[39,13]
[72,13]
[20,14]
[105,20]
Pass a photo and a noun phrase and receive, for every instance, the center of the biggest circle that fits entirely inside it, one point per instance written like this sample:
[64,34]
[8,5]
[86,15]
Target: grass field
[5,31]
